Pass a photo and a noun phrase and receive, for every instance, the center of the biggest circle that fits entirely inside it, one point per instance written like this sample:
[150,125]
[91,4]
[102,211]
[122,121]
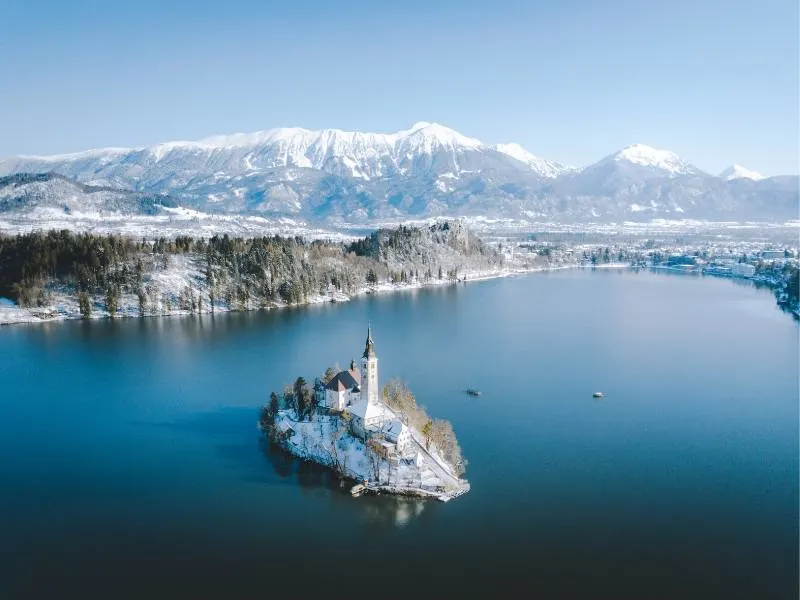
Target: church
[358,392]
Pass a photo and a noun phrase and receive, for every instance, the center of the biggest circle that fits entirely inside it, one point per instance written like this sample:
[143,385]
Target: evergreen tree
[274,405]
[289,399]
[142,302]
[85,305]
[301,398]
[111,301]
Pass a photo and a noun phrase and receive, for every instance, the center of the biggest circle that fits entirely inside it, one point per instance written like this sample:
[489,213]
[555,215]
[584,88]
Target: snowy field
[480,224]
[183,221]
[173,222]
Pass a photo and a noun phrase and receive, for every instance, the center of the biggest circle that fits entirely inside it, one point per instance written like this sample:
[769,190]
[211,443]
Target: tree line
[237,273]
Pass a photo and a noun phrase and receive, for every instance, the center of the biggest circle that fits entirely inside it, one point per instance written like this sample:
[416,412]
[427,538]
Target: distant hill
[50,192]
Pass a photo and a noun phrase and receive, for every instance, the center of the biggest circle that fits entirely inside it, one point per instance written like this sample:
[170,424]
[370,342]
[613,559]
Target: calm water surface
[131,463]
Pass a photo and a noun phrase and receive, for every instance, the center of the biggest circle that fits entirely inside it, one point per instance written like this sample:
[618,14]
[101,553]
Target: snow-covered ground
[167,285]
[183,221]
[506,225]
[171,223]
[326,441]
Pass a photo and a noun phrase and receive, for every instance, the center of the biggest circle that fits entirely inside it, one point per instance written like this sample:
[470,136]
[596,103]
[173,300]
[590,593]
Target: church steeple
[369,371]
[369,349]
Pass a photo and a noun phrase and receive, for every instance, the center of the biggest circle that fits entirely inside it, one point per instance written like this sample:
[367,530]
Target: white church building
[358,393]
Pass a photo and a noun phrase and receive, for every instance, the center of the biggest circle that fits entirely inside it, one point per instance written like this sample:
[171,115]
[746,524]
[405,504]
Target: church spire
[369,349]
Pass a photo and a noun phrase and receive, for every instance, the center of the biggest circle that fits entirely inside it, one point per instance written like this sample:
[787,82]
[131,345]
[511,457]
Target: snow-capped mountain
[633,177]
[353,154]
[739,172]
[640,182]
[318,174]
[542,167]
[653,158]
[427,170]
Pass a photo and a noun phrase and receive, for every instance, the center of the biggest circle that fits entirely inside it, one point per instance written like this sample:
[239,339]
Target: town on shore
[379,438]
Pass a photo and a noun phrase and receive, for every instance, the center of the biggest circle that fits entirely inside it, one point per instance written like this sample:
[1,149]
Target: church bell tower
[369,371]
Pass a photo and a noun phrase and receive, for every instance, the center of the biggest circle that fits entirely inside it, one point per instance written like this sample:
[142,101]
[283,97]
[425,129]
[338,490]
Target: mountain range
[333,176]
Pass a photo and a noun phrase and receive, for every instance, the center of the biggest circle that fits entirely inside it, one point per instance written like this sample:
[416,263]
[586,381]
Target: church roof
[369,349]
[344,380]
[366,410]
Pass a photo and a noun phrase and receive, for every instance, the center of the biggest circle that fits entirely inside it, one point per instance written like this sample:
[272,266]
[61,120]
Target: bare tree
[427,431]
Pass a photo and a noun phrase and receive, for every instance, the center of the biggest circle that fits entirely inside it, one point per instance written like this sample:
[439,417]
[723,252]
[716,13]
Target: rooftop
[344,380]
[366,411]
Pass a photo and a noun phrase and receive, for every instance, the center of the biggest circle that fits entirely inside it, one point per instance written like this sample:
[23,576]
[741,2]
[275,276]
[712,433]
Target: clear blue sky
[571,80]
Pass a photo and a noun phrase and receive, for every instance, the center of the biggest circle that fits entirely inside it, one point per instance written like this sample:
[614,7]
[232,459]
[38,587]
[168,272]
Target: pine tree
[85,305]
[142,302]
[111,301]
[274,404]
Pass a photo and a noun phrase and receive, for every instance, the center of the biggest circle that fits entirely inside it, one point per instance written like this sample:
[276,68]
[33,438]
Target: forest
[225,272]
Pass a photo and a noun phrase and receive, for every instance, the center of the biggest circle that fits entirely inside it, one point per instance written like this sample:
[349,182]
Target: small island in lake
[382,439]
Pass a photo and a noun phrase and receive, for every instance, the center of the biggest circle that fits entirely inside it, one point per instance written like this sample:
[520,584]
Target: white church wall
[335,400]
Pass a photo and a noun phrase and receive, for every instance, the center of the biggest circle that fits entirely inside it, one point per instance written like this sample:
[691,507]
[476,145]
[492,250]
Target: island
[379,438]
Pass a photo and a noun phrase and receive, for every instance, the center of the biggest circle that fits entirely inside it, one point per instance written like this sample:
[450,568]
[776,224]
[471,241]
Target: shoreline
[317,441]
[13,314]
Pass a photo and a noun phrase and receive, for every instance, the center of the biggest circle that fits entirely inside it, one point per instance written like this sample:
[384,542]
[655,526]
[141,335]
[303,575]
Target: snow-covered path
[442,473]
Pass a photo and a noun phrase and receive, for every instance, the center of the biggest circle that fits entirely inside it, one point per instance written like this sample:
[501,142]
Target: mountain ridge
[331,176]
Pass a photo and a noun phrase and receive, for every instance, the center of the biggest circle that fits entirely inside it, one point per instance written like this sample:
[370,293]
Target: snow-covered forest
[60,274]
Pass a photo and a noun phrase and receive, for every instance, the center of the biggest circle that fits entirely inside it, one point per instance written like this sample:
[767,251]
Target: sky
[571,80]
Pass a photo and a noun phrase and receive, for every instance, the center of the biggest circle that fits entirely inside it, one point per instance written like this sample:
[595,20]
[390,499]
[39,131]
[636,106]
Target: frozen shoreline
[65,304]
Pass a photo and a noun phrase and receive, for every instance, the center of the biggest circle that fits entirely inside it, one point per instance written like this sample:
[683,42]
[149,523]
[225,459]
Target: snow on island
[385,442]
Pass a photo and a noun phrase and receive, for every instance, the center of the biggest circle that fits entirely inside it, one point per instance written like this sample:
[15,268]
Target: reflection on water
[395,510]
[251,456]
[382,510]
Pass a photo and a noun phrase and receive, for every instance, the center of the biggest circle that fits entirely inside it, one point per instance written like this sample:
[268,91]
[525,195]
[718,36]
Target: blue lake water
[131,463]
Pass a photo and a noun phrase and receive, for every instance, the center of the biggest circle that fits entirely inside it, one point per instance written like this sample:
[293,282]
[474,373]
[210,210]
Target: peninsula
[380,438]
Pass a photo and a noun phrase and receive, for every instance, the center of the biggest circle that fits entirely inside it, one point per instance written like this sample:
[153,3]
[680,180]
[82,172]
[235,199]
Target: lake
[132,466]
